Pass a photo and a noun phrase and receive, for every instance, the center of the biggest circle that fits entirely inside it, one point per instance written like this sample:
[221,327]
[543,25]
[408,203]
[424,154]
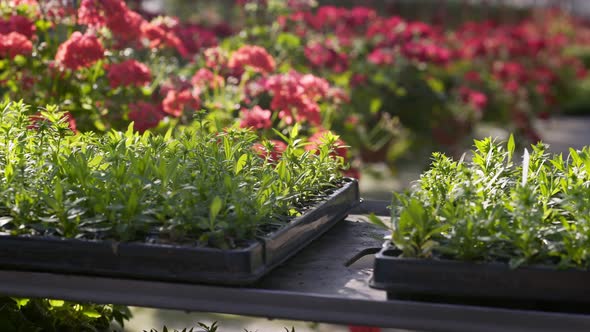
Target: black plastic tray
[174,262]
[492,284]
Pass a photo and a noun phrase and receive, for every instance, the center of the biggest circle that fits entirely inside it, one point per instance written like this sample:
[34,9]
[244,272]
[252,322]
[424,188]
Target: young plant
[37,315]
[209,189]
[491,209]
[205,328]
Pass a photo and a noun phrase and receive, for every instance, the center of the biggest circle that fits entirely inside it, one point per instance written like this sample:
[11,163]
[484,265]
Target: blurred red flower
[128,73]
[81,50]
[145,115]
[14,44]
[256,117]
[254,57]
[206,78]
[20,24]
[95,13]
[380,56]
[176,102]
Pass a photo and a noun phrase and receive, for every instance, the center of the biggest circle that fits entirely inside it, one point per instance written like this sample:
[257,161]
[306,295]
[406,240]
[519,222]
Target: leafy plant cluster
[492,209]
[45,315]
[213,189]
[206,328]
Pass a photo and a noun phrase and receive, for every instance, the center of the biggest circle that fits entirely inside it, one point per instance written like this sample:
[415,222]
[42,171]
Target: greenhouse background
[169,113]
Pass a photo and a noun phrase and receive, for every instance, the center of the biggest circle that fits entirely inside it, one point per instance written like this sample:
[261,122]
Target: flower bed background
[384,83]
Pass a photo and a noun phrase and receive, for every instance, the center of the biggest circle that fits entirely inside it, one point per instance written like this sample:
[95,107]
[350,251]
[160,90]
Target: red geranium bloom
[380,56]
[321,56]
[95,13]
[294,92]
[176,102]
[257,118]
[510,71]
[360,16]
[474,98]
[19,24]
[329,16]
[204,77]
[255,57]
[417,30]
[358,79]
[215,58]
[126,26]
[81,50]
[14,44]
[128,73]
[195,37]
[472,76]
[145,115]
[160,33]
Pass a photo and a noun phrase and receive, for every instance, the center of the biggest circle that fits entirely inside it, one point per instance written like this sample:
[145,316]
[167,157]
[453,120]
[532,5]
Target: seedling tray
[177,262]
[491,284]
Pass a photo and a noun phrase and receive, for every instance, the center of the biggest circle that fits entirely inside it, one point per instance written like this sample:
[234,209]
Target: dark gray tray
[175,262]
[490,284]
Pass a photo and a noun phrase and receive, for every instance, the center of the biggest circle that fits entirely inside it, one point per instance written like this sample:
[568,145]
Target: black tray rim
[256,247]
[442,265]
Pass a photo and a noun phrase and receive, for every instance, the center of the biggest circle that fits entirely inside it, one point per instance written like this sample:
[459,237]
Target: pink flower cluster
[130,27]
[295,96]
[128,73]
[20,24]
[254,57]
[13,44]
[81,50]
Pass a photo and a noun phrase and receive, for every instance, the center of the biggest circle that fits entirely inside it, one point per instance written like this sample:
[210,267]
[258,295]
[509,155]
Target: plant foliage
[491,209]
[205,328]
[44,315]
[212,189]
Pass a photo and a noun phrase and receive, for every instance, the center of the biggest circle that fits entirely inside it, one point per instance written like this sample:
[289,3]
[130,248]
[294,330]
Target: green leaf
[511,146]
[56,303]
[375,105]
[241,163]
[20,302]
[91,313]
[215,208]
[294,132]
[20,60]
[377,221]
[288,40]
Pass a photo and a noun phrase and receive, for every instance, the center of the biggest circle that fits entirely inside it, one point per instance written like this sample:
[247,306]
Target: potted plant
[203,207]
[488,228]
